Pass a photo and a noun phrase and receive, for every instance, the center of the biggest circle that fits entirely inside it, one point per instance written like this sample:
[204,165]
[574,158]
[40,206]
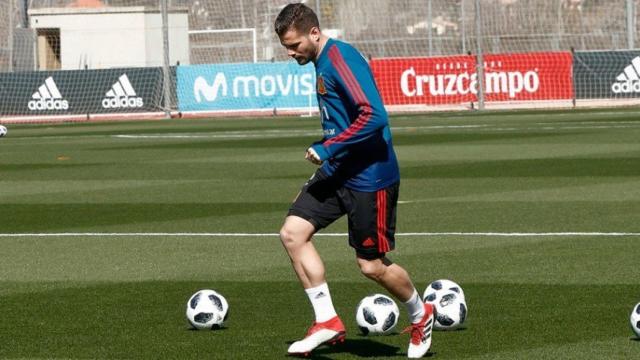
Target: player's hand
[312,156]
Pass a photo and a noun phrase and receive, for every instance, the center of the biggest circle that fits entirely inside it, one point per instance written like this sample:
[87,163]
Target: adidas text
[48,104]
[627,87]
[122,102]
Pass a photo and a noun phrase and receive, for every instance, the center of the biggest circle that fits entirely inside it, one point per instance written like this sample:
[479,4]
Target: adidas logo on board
[122,95]
[47,97]
[629,80]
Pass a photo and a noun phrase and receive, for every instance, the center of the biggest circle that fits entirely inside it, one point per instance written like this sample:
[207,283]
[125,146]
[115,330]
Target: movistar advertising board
[606,74]
[81,91]
[246,86]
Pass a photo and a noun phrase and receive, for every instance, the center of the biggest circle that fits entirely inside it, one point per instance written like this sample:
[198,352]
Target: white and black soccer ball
[207,309]
[3,131]
[634,320]
[440,286]
[451,305]
[377,315]
[451,311]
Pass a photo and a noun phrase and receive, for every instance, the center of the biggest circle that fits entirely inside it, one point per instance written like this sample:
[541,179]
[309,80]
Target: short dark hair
[296,16]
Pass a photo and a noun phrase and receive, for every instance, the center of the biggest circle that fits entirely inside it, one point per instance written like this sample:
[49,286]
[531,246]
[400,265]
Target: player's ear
[315,33]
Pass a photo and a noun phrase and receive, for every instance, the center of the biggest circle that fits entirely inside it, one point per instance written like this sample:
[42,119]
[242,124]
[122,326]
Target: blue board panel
[247,86]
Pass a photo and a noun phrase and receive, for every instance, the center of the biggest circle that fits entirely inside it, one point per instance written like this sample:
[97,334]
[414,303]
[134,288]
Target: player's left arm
[356,80]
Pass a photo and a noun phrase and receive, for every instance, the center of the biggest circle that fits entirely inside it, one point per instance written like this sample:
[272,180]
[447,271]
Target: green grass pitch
[553,296]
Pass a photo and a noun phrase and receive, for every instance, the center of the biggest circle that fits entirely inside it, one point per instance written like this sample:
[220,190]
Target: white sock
[415,307]
[321,301]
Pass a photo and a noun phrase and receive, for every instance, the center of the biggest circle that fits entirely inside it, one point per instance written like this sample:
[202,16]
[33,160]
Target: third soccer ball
[451,311]
[634,319]
[3,131]
[451,306]
[439,286]
[207,309]
[377,315]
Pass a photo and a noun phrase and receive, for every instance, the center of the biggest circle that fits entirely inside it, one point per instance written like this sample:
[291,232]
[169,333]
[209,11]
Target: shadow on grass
[636,339]
[364,348]
[216,329]
[462,328]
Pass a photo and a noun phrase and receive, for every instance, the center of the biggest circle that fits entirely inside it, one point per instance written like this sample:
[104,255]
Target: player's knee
[373,269]
[289,237]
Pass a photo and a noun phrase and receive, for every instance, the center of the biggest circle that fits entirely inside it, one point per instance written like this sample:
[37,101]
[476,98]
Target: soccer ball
[634,319]
[3,131]
[451,311]
[451,306]
[377,315]
[430,293]
[207,309]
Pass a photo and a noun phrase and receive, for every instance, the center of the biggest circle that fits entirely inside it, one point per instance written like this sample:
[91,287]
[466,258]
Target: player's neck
[321,43]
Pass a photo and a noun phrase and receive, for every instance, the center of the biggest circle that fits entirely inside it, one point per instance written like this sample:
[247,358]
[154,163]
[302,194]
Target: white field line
[426,234]
[210,136]
[287,133]
[273,133]
[550,126]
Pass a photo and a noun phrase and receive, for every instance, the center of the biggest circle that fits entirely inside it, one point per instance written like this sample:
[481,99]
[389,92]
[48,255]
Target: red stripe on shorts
[381,204]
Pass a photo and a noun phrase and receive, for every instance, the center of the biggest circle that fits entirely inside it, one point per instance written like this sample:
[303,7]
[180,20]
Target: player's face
[302,47]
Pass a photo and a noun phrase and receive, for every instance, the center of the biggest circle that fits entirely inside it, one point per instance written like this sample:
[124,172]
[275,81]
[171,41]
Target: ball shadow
[463,328]
[203,330]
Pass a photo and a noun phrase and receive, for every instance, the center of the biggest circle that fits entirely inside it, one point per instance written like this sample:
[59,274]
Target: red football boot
[329,332]
[421,333]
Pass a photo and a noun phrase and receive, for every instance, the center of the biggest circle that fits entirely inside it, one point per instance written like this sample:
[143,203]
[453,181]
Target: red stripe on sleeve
[356,91]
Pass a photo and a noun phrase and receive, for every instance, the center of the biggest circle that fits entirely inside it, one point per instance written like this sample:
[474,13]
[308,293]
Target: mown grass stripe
[502,234]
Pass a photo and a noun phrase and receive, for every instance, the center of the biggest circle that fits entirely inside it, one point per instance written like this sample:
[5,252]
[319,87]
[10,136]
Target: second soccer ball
[377,315]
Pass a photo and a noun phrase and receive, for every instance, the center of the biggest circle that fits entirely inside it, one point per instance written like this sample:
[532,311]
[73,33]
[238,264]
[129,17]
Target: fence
[241,31]
[386,28]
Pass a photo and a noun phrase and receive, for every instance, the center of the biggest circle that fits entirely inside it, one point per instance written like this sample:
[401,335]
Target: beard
[302,60]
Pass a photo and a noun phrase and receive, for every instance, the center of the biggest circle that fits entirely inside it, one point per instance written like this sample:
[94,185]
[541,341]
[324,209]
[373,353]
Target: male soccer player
[358,176]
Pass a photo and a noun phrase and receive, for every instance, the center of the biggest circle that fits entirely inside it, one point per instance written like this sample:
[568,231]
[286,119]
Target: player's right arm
[354,78]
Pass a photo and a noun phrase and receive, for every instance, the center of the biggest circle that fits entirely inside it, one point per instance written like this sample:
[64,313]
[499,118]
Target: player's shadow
[364,348]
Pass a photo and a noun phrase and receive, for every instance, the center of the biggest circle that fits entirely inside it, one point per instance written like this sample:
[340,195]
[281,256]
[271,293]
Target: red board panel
[453,79]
